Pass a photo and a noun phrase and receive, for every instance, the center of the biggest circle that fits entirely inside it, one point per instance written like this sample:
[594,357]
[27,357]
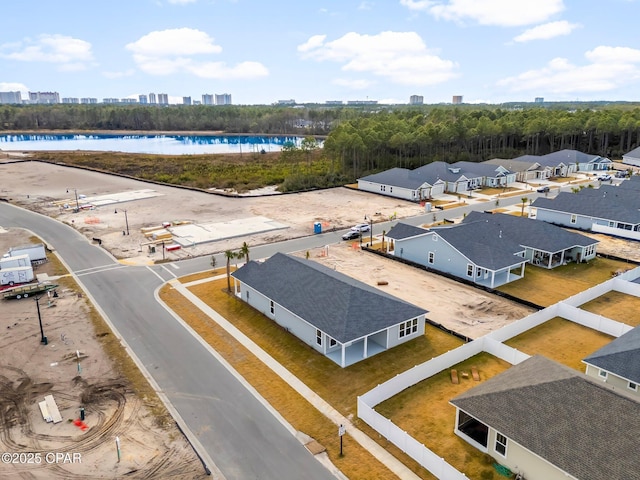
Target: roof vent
[500,234]
[454,169]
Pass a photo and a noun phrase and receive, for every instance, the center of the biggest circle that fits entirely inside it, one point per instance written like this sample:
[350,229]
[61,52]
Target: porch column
[562,258]
[508,275]
[550,260]
[342,359]
[493,277]
[365,346]
[522,270]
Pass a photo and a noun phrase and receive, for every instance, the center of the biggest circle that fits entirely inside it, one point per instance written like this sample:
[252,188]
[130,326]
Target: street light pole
[126,218]
[43,339]
[75,191]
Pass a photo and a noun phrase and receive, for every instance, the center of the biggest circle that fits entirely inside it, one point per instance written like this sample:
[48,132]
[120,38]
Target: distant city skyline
[487,51]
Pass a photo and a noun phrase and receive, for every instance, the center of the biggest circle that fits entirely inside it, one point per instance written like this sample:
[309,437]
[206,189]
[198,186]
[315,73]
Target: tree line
[410,139]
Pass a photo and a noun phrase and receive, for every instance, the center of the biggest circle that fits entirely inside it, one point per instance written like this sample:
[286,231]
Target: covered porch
[495,278]
[549,260]
[346,354]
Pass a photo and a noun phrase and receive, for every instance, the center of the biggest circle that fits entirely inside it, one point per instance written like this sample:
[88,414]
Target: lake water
[157,144]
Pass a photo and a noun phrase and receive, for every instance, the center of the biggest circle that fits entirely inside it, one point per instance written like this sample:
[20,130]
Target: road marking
[170,272]
[102,269]
[95,268]
[174,266]
[156,274]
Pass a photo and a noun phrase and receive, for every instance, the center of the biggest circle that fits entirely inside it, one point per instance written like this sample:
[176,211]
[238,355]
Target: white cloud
[547,31]
[13,87]
[364,5]
[167,52]
[609,68]
[402,57]
[358,84]
[178,41]
[71,54]
[506,13]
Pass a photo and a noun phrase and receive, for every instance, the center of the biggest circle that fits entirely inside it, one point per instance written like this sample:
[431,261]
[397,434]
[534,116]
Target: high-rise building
[70,100]
[128,101]
[110,100]
[334,102]
[416,100]
[186,100]
[290,101]
[539,100]
[142,99]
[457,99]
[152,98]
[89,100]
[10,97]
[44,97]
[163,99]
[207,99]
[223,99]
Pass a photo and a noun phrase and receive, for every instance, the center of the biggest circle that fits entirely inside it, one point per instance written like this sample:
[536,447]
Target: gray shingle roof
[590,204]
[482,244]
[531,233]
[580,425]
[397,177]
[514,165]
[568,157]
[620,357]
[340,306]
[404,230]
[635,153]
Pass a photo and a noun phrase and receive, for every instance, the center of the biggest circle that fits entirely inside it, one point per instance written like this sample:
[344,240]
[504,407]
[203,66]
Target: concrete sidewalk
[382,455]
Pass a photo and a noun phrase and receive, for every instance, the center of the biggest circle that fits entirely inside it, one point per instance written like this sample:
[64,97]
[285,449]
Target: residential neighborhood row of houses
[538,417]
[438,178]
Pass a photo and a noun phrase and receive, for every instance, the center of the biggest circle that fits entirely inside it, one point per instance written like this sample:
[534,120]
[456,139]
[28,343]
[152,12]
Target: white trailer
[36,252]
[17,261]
[15,275]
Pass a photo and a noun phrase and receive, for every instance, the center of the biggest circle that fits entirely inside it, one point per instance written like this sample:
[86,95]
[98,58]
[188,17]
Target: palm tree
[244,251]
[524,202]
[229,255]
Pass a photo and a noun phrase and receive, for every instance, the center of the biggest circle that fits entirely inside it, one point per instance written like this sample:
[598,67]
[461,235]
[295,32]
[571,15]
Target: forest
[359,141]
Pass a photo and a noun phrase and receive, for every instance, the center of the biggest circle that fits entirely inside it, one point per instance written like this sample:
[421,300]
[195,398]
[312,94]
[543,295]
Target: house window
[247,295]
[501,444]
[272,307]
[390,189]
[319,337]
[432,257]
[478,272]
[603,373]
[590,250]
[469,270]
[633,386]
[408,327]
[332,342]
[574,218]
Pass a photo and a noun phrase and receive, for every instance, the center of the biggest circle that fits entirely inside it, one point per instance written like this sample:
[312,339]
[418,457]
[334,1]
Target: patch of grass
[202,275]
[616,306]
[546,287]
[561,340]
[357,462]
[424,412]
[223,171]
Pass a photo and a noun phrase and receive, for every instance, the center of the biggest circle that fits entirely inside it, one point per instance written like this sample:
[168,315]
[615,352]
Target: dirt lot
[30,370]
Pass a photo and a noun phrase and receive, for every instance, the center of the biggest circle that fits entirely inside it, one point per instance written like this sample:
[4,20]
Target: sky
[263,51]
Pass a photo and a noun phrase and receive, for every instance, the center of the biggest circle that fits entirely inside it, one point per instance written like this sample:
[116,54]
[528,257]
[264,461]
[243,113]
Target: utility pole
[43,339]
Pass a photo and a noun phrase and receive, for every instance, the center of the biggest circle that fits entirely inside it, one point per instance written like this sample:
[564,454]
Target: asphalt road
[235,429]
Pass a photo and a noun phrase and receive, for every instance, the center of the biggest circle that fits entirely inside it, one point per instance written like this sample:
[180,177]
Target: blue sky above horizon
[260,51]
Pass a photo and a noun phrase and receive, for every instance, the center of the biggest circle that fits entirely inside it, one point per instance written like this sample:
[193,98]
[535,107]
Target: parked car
[351,235]
[604,178]
[361,227]
[544,189]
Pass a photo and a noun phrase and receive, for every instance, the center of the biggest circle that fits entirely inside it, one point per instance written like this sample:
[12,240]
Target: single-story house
[545,245]
[436,178]
[608,209]
[546,421]
[476,252]
[341,318]
[566,161]
[525,168]
[632,157]
[401,183]
[618,363]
